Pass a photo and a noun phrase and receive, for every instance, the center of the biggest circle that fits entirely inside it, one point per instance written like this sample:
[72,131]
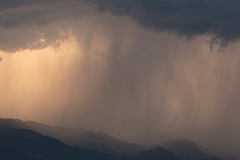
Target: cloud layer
[217,18]
[118,66]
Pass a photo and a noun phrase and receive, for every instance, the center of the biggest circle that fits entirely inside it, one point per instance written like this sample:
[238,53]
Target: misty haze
[119,79]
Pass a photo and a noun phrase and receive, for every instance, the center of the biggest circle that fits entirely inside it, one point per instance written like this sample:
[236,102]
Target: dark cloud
[15,13]
[25,24]
[8,4]
[121,79]
[217,18]
[18,18]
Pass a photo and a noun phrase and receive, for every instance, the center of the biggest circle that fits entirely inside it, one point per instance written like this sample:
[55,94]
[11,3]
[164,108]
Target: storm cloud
[34,22]
[217,18]
[119,66]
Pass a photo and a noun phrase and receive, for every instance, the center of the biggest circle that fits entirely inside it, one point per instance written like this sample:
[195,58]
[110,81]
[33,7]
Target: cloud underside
[219,19]
[119,77]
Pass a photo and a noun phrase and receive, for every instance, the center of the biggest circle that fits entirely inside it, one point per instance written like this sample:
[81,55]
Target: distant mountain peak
[24,144]
[186,149]
[76,137]
[156,153]
[102,142]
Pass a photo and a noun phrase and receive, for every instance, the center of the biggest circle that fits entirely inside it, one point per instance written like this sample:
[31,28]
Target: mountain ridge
[102,142]
[24,144]
[76,137]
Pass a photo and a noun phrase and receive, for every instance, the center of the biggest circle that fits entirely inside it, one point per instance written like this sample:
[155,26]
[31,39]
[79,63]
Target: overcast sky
[140,70]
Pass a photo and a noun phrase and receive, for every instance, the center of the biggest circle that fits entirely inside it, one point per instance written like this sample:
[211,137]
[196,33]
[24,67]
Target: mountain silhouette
[157,153]
[23,144]
[86,139]
[186,149]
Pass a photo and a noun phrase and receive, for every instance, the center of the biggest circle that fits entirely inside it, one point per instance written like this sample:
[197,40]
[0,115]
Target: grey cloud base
[139,83]
[217,18]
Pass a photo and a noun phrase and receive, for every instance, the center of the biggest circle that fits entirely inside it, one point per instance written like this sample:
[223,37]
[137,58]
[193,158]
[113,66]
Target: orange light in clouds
[29,78]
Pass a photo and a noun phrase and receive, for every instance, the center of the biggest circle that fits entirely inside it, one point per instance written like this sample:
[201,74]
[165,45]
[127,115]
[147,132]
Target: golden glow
[30,77]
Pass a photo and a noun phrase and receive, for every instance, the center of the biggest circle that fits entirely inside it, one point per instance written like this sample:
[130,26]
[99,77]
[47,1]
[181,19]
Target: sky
[141,70]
